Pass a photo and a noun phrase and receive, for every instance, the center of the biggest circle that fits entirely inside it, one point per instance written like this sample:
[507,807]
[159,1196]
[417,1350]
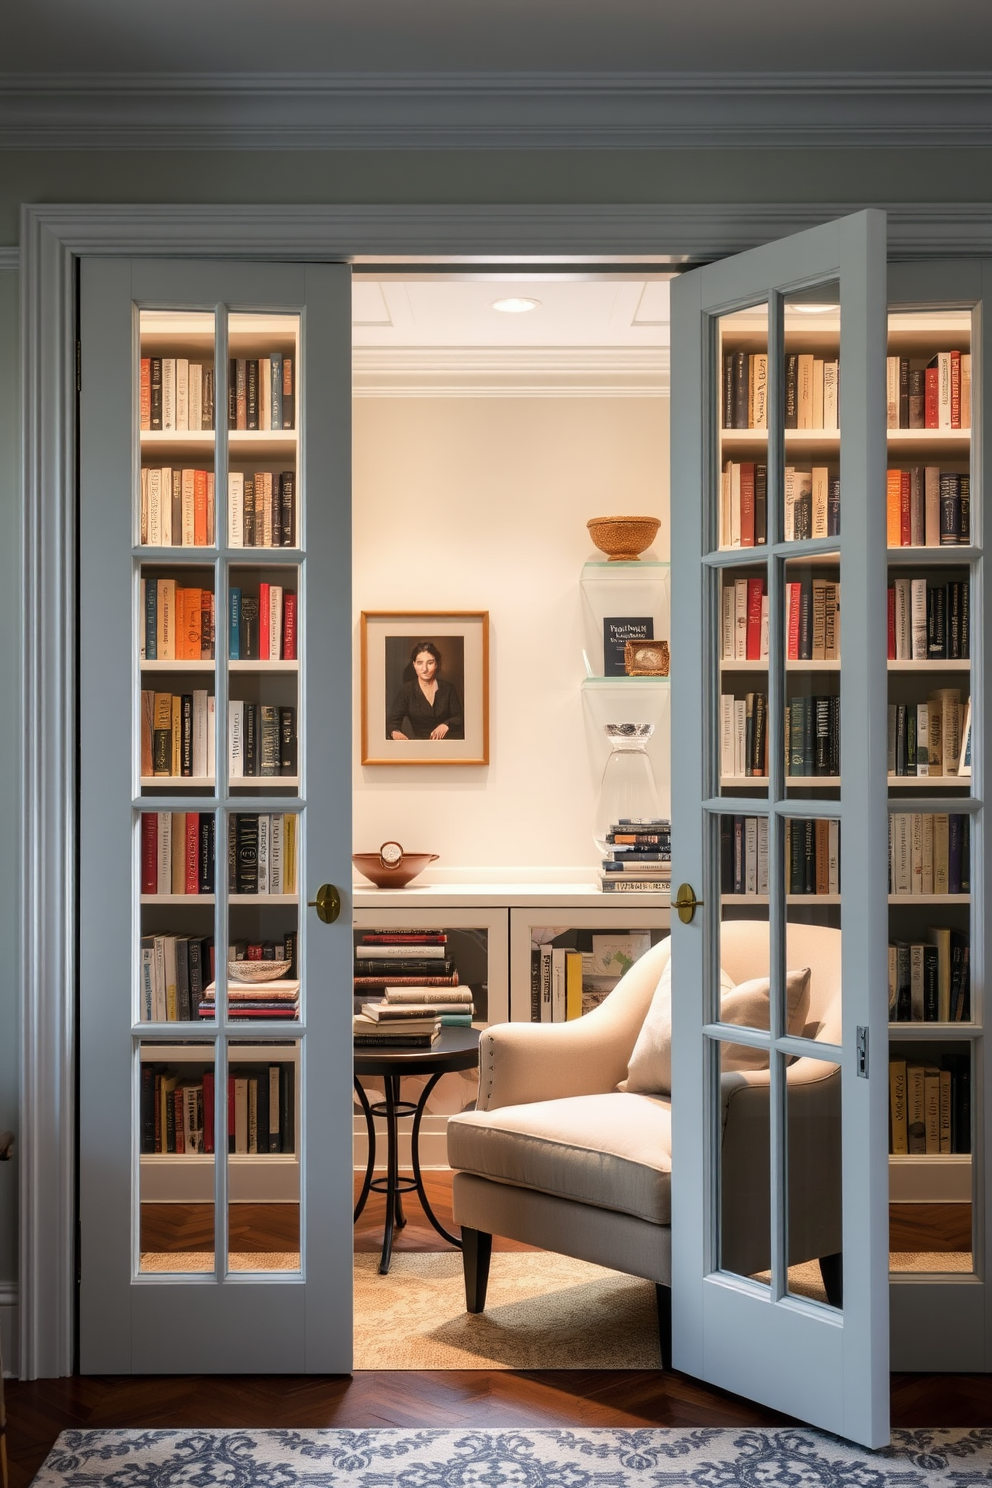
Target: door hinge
[79,366]
[862,1052]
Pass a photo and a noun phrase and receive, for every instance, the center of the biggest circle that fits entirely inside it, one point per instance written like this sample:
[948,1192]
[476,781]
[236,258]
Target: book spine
[289,626]
[287,504]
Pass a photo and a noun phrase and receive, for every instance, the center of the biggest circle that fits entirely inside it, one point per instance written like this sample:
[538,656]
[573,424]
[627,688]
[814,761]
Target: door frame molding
[53,238]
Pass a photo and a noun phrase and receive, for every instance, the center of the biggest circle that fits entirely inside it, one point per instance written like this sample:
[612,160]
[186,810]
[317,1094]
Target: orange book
[145,394]
[893,508]
[192,845]
[200,538]
[905,510]
[192,617]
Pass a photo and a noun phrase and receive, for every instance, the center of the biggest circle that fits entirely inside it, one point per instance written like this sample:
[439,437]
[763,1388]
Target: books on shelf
[178,1115]
[556,992]
[177,734]
[261,852]
[930,738]
[927,507]
[929,621]
[261,740]
[929,853]
[744,504]
[177,507]
[743,735]
[812,856]
[176,622]
[177,852]
[175,970]
[930,981]
[812,387]
[930,1106]
[420,1034]
[813,735]
[279,998]
[928,394]
[639,857]
[261,392]
[175,394]
[262,508]
[262,626]
[415,966]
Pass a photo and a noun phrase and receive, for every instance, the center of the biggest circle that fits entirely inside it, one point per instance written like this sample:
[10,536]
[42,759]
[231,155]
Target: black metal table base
[395,1184]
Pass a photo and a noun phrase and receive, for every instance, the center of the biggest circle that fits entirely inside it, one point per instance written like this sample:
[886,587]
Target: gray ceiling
[347,36]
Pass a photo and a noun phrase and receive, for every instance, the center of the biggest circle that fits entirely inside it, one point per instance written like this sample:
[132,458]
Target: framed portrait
[425,687]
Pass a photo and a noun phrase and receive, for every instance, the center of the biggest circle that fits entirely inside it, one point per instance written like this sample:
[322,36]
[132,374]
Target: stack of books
[402,1026]
[402,958]
[275,999]
[640,857]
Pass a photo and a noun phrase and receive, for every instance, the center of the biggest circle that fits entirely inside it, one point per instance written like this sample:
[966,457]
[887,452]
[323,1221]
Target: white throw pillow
[649,1070]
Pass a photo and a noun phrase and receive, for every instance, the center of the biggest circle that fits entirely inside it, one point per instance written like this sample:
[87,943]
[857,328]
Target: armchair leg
[832,1272]
[664,1295]
[477,1249]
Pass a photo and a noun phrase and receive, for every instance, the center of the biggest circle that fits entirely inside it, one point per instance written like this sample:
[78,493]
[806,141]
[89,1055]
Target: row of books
[930,981]
[929,621]
[262,626]
[261,508]
[177,507]
[812,391]
[261,392]
[175,394]
[261,740]
[812,735]
[411,1017]
[386,958]
[176,622]
[639,858]
[811,504]
[935,394]
[812,620]
[178,852]
[177,734]
[174,971]
[178,1115]
[931,738]
[929,853]
[555,984]
[812,856]
[926,507]
[930,1106]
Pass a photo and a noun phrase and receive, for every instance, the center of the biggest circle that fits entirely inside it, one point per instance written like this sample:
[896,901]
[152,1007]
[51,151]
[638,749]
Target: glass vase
[628,790]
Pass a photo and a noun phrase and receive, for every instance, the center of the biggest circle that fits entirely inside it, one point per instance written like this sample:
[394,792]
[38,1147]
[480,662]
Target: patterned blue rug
[788,1457]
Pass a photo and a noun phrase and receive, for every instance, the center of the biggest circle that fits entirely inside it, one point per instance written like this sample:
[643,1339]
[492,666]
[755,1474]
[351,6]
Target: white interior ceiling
[346,36]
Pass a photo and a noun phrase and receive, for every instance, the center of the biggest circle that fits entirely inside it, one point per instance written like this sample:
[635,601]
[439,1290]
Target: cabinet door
[780,1089]
[215,790]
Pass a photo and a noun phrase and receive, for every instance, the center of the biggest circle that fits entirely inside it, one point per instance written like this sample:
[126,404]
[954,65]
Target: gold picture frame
[646,658]
[440,717]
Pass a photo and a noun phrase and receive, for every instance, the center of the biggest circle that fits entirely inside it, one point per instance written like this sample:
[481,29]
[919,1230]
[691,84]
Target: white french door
[215,789]
[780,1182]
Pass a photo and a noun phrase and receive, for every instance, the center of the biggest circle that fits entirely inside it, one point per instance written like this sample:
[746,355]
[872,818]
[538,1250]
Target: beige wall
[481,503]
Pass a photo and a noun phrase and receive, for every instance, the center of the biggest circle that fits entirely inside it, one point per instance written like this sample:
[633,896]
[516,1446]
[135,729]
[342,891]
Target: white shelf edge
[263,666]
[205,1159]
[924,782]
[176,782]
[929,665]
[824,899]
[263,898]
[178,898]
[761,665]
[152,438]
[262,782]
[154,1053]
[167,665]
[898,899]
[825,782]
[824,436]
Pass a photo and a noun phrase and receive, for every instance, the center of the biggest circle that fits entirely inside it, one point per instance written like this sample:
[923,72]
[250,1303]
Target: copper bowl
[623,539]
[370,865]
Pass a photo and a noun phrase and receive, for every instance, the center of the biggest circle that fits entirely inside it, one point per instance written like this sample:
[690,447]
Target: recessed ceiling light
[515,305]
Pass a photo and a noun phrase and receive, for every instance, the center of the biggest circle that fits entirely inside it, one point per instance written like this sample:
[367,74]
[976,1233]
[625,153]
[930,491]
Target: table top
[456,1049]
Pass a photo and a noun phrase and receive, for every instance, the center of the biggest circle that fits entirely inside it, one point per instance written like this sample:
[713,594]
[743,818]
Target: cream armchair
[557,1157]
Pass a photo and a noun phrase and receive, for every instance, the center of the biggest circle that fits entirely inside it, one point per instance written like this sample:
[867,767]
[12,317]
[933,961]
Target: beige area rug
[203,1260]
[542,1312]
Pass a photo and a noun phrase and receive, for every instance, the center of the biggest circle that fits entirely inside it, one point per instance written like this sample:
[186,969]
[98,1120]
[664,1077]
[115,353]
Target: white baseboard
[433,1144]
[8,1328]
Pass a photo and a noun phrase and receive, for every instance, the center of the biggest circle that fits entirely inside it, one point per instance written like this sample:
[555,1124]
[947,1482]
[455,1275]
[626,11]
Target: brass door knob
[686,902]
[327,903]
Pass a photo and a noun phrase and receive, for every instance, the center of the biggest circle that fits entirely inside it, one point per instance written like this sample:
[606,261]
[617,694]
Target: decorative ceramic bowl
[623,539]
[257,971]
[396,875]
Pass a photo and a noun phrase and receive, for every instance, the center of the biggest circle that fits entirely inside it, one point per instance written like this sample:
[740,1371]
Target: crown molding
[510,372]
[505,111]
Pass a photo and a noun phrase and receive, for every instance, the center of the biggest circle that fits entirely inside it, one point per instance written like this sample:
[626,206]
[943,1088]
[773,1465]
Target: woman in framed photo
[426,706]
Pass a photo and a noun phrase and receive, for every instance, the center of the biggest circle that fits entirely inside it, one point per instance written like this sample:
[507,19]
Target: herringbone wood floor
[37,1411]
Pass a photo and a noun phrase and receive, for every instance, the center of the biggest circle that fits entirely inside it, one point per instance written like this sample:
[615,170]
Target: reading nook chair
[570,1151]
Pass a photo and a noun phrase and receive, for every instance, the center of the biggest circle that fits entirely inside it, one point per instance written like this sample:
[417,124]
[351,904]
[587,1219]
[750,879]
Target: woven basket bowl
[257,971]
[623,539]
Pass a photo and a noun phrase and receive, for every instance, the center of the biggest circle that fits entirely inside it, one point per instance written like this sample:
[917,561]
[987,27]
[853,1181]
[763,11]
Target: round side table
[456,1049]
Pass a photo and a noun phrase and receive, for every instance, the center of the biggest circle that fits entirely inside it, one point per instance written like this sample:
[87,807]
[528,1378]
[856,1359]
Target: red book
[192,852]
[892,624]
[747,504]
[208,1110]
[289,626]
[263,622]
[795,599]
[905,511]
[931,418]
[755,592]
[200,508]
[955,390]
[149,852]
[255,951]
[145,394]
